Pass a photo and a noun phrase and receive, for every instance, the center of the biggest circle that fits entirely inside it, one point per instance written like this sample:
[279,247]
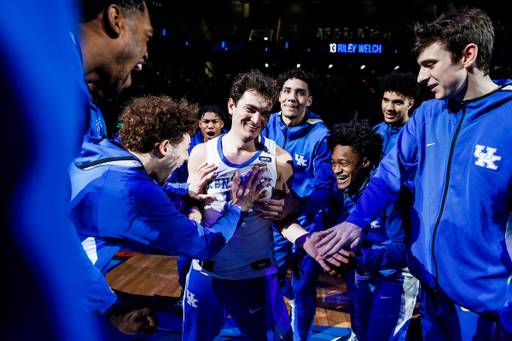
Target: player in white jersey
[241,280]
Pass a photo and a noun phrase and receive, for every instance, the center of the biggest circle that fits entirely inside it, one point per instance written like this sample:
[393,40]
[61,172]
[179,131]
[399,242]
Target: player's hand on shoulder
[136,321]
[246,194]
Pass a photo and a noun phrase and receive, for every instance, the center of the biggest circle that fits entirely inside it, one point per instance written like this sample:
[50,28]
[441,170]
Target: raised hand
[244,195]
[205,172]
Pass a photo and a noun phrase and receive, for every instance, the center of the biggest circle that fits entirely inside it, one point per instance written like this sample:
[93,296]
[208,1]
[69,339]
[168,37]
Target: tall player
[304,135]
[458,148]
[241,280]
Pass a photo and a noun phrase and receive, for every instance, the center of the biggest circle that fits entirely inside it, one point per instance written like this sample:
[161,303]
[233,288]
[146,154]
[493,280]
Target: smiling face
[294,98]
[250,115]
[210,125]
[446,78]
[128,52]
[395,108]
[349,169]
[174,157]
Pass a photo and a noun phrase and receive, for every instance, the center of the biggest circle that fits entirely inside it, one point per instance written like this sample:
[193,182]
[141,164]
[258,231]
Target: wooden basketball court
[154,279]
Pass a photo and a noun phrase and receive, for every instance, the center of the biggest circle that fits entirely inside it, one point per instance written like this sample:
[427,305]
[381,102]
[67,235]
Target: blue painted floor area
[172,331]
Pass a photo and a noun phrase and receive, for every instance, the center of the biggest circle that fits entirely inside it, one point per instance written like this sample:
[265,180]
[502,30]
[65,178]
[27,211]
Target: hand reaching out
[245,194]
[204,173]
[277,209]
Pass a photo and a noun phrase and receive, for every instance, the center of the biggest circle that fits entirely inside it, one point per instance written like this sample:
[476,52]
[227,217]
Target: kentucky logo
[486,159]
[191,299]
[300,160]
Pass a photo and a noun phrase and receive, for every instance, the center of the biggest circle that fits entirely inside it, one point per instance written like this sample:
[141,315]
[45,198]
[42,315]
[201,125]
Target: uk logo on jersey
[191,299]
[487,159]
[301,162]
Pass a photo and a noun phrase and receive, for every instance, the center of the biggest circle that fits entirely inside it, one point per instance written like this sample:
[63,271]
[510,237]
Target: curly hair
[403,83]
[455,30]
[303,75]
[254,80]
[90,9]
[211,108]
[152,119]
[359,135]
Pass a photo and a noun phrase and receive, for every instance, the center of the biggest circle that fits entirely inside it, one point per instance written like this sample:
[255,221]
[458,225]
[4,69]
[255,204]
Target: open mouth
[251,126]
[342,179]
[210,133]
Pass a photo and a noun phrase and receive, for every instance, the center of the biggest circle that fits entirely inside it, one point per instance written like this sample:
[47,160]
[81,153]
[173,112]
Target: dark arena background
[198,47]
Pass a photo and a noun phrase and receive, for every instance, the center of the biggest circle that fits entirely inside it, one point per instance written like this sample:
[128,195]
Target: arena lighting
[163,32]
[330,66]
[223,44]
[266,49]
[397,67]
[362,67]
[266,38]
[266,64]
[286,45]
[186,43]
[298,66]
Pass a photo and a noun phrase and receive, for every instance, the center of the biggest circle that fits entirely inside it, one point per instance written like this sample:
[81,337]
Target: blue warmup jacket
[387,253]
[95,123]
[114,201]
[307,144]
[461,158]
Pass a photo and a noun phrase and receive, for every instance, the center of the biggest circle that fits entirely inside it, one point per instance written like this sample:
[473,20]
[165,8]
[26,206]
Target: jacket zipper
[285,137]
[443,202]
[387,142]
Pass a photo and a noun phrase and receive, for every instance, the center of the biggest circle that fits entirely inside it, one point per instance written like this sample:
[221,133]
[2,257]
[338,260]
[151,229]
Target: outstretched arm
[277,209]
[289,227]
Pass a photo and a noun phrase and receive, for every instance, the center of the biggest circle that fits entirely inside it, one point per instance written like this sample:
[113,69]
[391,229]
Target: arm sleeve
[324,180]
[394,170]
[99,298]
[150,218]
[391,256]
[175,190]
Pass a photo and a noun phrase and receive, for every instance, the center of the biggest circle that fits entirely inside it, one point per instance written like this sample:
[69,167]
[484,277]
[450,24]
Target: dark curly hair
[455,30]
[152,119]
[211,108]
[359,135]
[403,83]
[303,75]
[254,80]
[90,9]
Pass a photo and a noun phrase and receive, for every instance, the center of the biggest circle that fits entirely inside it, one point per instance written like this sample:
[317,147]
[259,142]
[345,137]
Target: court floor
[153,279]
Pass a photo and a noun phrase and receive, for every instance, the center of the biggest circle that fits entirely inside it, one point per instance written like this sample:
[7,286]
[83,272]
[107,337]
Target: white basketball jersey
[249,253]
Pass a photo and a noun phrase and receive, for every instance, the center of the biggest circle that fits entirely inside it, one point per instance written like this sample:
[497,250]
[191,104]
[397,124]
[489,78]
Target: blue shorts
[256,305]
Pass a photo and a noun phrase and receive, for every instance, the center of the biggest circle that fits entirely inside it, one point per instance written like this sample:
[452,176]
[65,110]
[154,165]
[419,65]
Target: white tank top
[249,253]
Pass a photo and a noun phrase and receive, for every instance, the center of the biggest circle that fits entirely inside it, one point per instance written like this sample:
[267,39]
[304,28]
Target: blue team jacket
[95,123]
[114,201]
[461,157]
[307,144]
